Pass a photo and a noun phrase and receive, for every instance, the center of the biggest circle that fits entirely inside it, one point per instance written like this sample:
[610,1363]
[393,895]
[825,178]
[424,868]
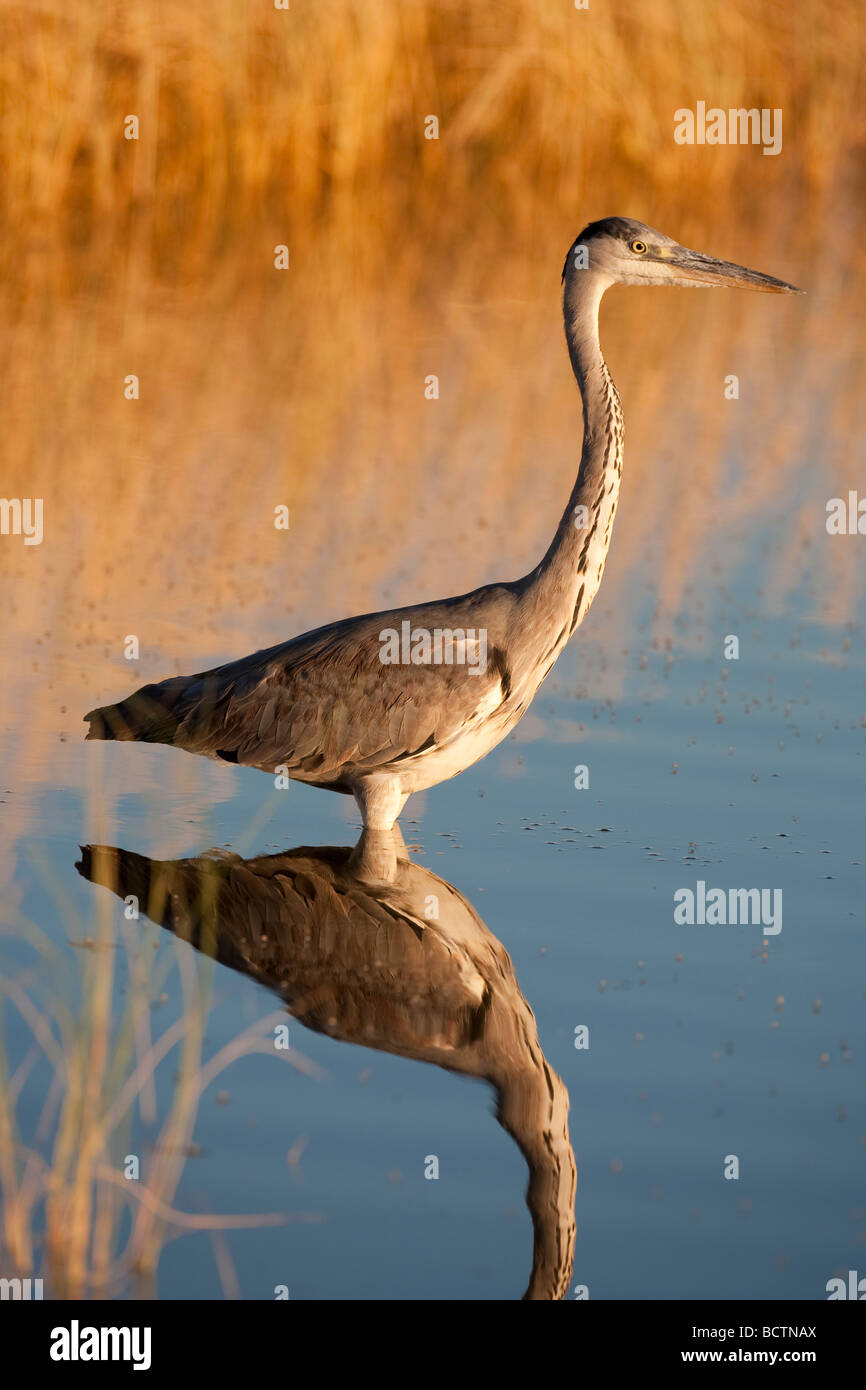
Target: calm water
[705,1041]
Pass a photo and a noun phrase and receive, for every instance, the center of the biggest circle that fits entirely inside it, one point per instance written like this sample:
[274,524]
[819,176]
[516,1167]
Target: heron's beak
[692,268]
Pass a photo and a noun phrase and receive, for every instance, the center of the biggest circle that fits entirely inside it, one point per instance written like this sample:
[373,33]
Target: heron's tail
[151,715]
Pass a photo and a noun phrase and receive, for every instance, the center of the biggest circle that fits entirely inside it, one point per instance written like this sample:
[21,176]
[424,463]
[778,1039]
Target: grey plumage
[325,707]
[322,703]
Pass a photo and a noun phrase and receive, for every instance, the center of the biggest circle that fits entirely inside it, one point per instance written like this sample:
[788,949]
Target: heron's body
[326,709]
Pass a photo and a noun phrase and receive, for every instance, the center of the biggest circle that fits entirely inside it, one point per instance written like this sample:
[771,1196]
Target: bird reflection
[370,948]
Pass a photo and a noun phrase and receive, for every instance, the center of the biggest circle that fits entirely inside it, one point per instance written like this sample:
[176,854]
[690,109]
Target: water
[706,1042]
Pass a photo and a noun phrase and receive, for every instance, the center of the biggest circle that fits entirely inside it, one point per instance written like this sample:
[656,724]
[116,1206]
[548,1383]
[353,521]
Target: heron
[348,708]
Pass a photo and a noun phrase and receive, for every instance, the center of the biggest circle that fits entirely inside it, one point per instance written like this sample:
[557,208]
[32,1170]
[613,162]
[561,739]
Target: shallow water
[705,1041]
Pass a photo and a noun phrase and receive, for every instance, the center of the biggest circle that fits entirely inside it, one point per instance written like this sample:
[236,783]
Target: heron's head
[620,251]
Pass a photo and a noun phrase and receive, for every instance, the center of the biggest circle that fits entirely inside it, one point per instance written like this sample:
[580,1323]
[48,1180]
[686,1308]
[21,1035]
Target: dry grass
[287,125]
[71,1214]
[90,1090]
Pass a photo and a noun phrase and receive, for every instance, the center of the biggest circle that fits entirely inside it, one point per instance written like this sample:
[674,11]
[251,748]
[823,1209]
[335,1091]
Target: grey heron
[372,706]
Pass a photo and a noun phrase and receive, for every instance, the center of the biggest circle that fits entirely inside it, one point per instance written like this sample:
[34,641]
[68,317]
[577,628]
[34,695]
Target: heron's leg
[380,801]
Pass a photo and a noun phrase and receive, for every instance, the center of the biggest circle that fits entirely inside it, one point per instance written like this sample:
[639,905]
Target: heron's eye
[638,247]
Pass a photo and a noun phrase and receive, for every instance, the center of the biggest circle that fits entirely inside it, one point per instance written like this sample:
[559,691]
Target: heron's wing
[336,704]
[327,702]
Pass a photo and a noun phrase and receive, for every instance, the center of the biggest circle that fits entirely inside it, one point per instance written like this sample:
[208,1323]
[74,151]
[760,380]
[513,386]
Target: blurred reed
[304,121]
[83,1098]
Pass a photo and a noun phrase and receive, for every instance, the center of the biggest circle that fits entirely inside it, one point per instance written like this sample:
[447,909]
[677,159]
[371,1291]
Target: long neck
[564,584]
